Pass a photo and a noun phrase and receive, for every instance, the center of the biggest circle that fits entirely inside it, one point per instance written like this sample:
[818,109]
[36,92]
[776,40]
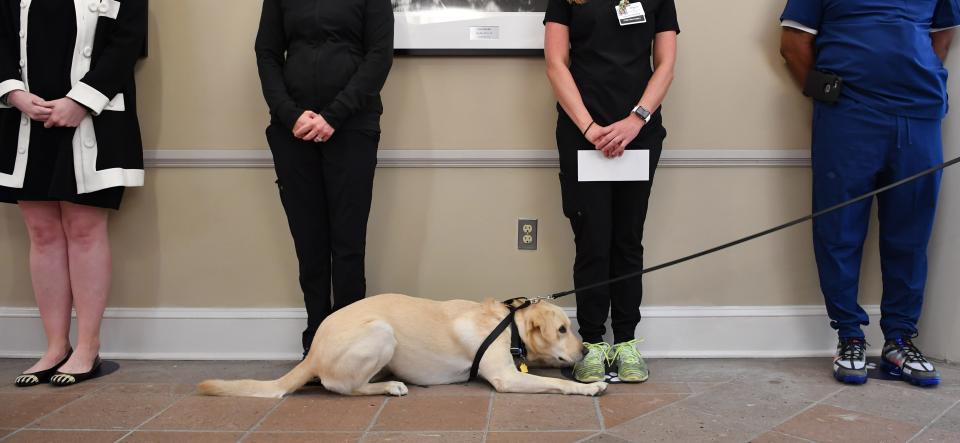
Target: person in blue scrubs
[884,127]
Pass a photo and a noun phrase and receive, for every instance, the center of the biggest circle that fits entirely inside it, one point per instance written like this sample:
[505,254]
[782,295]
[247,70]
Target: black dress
[113,136]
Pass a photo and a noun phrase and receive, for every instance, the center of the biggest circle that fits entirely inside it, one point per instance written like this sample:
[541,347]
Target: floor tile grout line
[176,400]
[74,430]
[172,431]
[599,412]
[600,418]
[261,420]
[901,387]
[486,428]
[27,426]
[905,387]
[671,405]
[374,419]
[809,407]
[689,395]
[441,431]
[938,417]
[792,436]
[715,386]
[587,438]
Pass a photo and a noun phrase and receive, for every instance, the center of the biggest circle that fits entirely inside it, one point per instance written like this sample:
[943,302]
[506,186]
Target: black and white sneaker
[902,359]
[850,362]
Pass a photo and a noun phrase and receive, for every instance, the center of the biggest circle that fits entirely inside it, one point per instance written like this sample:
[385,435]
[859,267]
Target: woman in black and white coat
[69,144]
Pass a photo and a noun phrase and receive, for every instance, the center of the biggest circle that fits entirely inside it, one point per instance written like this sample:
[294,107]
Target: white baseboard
[274,334]
[478,158]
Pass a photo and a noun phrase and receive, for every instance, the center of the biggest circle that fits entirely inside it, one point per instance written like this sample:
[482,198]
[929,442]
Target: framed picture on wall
[469,27]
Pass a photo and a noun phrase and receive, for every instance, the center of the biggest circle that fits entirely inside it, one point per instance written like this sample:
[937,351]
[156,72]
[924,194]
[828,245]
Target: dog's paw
[396,389]
[594,389]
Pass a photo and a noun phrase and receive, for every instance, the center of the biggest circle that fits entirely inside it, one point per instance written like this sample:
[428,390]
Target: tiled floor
[792,400]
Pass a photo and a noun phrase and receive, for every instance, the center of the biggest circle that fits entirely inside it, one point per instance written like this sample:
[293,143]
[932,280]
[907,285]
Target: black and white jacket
[107,149]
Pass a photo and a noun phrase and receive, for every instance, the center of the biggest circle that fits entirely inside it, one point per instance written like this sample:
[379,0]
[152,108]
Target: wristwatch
[643,113]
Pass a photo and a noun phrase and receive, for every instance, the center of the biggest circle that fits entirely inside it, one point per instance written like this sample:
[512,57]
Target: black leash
[516,344]
[754,236]
[517,347]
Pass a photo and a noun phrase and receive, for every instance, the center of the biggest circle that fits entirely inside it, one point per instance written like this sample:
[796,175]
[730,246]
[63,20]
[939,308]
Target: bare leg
[88,248]
[50,274]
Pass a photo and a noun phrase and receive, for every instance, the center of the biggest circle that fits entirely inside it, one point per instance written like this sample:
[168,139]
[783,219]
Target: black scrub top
[612,64]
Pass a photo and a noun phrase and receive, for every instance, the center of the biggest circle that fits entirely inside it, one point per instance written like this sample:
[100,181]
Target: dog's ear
[535,320]
[540,322]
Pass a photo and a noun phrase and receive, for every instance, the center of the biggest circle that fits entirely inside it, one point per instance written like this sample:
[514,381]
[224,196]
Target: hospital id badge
[630,13]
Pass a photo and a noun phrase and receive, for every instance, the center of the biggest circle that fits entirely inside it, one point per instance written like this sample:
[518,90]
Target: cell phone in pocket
[823,86]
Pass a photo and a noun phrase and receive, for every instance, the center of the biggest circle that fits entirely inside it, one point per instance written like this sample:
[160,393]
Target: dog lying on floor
[424,342]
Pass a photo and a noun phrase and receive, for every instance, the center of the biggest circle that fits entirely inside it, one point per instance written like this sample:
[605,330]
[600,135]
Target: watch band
[643,113]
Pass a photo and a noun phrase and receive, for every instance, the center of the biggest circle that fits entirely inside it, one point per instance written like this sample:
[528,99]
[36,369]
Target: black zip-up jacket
[328,56]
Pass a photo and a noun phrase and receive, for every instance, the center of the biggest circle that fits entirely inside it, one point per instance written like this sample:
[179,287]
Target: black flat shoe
[63,379]
[27,380]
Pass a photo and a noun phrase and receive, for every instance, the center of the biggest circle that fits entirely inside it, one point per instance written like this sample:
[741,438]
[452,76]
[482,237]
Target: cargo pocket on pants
[570,201]
[280,192]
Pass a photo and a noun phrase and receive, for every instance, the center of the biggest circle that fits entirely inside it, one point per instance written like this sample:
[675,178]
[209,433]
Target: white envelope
[593,166]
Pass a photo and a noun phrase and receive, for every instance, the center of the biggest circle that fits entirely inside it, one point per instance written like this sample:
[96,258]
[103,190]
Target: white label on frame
[484,33]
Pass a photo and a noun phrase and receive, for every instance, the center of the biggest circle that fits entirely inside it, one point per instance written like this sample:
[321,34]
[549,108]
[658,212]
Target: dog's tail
[294,379]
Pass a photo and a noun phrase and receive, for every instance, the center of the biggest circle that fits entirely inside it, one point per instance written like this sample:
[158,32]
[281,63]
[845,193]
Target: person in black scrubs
[69,145]
[598,55]
[322,65]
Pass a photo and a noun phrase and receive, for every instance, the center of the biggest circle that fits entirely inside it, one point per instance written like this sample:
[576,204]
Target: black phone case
[823,86]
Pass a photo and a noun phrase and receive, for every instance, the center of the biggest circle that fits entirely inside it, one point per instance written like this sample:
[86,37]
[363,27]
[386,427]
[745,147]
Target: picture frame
[469,27]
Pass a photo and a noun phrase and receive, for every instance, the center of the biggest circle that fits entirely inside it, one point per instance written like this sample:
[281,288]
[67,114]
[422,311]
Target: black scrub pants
[607,220]
[326,189]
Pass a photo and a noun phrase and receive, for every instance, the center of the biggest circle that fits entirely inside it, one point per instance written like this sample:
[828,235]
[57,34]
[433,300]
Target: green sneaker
[630,366]
[593,367]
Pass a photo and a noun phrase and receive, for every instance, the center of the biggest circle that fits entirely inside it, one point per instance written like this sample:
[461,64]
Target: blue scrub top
[882,49]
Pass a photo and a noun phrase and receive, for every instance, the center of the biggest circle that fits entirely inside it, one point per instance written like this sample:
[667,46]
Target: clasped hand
[312,127]
[613,140]
[60,113]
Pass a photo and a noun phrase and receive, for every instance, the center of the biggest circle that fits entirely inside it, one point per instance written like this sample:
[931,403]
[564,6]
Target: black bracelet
[585,131]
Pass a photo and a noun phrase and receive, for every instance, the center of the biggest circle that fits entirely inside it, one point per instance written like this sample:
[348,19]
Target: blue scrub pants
[857,149]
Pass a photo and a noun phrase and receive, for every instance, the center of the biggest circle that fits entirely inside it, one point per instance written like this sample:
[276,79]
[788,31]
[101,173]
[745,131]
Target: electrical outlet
[527,234]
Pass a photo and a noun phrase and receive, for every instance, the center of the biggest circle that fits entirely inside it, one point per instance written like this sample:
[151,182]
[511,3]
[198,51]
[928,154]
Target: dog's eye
[563,329]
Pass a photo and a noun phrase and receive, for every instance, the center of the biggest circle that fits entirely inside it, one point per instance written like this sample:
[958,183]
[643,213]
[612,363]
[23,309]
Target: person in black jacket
[322,66]
[69,106]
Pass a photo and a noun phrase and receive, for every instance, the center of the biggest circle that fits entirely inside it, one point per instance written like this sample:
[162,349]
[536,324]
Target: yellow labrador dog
[424,342]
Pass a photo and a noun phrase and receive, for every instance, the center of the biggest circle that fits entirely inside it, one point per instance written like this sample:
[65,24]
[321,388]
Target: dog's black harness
[517,348]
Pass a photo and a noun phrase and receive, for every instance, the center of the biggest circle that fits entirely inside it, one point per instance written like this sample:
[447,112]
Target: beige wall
[199,88]
[940,328]
[217,237]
